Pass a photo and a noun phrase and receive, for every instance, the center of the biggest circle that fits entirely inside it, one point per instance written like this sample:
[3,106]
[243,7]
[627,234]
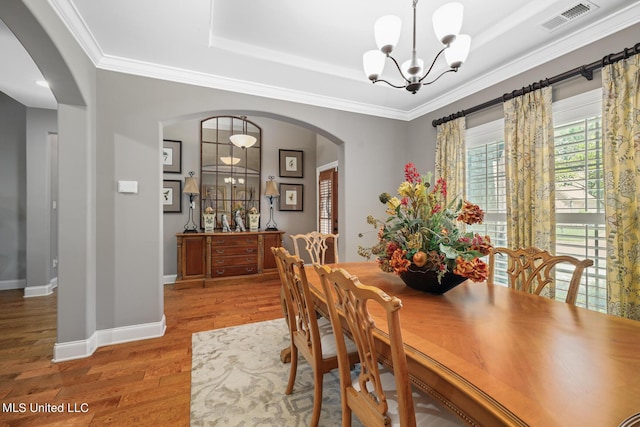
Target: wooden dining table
[498,356]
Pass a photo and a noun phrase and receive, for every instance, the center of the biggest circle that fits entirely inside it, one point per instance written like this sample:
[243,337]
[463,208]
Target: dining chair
[311,335]
[321,247]
[379,396]
[533,270]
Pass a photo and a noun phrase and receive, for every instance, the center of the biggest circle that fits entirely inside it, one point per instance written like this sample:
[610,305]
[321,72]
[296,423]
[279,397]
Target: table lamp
[271,192]
[191,189]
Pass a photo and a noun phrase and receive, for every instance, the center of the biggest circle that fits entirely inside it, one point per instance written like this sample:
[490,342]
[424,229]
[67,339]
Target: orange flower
[471,214]
[399,262]
[476,270]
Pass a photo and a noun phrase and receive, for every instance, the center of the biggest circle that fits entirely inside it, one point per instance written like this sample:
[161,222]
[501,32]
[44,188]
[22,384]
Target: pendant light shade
[229,160]
[458,51]
[243,140]
[373,63]
[447,22]
[387,32]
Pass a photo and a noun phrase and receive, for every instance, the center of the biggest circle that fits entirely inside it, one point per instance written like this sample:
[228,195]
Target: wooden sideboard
[204,258]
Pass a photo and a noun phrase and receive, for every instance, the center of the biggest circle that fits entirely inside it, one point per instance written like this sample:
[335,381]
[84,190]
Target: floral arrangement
[423,231]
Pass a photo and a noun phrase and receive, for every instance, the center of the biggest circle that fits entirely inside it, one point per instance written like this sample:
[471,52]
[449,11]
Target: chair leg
[317,397]
[293,370]
[346,416]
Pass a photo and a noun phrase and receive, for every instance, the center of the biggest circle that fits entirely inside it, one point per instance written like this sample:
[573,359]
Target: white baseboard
[40,291]
[12,284]
[170,278]
[85,348]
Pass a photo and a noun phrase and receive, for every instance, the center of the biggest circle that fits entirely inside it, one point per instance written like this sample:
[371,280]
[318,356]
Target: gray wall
[13,202]
[26,155]
[41,155]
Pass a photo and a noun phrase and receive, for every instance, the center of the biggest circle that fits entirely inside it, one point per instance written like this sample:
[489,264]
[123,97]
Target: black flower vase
[427,280]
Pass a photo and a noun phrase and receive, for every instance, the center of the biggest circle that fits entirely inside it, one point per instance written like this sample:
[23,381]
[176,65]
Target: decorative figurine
[239,221]
[225,224]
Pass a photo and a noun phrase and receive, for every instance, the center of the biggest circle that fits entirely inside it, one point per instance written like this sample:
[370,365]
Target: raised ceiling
[311,52]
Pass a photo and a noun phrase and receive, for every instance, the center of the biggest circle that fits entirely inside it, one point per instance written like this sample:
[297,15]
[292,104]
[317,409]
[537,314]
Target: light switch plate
[128,187]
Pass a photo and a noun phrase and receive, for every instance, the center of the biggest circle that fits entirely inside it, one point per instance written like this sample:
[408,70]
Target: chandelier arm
[390,84]
[451,70]
[399,69]
[431,67]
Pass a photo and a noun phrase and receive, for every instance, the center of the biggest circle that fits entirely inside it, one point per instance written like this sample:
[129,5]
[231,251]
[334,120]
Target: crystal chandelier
[447,22]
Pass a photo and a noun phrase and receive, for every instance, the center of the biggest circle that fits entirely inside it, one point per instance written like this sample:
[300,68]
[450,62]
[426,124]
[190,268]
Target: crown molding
[78,28]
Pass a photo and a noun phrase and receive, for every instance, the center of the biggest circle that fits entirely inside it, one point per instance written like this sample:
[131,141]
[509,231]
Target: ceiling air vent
[575,11]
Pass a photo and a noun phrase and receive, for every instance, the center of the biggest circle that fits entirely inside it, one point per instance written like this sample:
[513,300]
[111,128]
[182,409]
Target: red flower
[411,174]
[441,186]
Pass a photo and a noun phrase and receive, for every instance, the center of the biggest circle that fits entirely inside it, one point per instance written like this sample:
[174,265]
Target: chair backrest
[288,309]
[532,270]
[347,302]
[301,311]
[318,246]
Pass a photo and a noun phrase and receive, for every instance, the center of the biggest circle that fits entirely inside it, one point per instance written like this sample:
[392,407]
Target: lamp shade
[447,22]
[191,186]
[242,140]
[229,160]
[271,189]
[387,32]
[373,63]
[458,51]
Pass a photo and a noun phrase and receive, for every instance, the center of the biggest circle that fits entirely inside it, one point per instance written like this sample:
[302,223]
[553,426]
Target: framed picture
[291,197]
[291,164]
[171,156]
[172,196]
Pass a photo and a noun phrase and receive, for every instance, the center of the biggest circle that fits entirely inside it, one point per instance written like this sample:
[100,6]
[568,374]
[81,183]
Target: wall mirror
[230,175]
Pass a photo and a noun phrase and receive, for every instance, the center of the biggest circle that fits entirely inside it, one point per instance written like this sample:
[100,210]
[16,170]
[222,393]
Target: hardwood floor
[143,383]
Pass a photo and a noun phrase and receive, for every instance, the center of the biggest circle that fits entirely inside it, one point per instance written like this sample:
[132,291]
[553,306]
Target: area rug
[237,379]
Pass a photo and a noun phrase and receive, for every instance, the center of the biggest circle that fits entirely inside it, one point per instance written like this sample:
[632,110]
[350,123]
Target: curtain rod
[585,71]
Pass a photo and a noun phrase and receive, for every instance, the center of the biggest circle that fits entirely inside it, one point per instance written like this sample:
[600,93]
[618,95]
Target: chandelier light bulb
[447,22]
[387,32]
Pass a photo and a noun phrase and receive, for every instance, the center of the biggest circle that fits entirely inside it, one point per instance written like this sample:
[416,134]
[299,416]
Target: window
[486,184]
[580,229]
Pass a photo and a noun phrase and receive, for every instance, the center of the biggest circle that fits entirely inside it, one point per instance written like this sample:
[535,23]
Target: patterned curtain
[529,170]
[621,140]
[451,152]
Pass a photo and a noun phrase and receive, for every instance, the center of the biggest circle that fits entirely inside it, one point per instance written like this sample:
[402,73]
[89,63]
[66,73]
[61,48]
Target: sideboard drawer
[234,240]
[233,250]
[230,261]
[233,271]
